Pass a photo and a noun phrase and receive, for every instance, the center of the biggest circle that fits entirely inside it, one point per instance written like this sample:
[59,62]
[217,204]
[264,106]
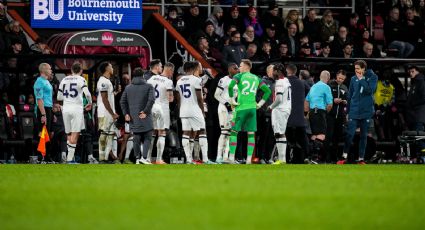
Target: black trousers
[298,141]
[138,138]
[49,120]
[334,134]
[265,140]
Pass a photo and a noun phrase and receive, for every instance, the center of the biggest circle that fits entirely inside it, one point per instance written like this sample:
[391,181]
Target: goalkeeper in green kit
[245,117]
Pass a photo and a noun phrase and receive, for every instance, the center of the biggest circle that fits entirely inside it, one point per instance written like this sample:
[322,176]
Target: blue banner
[87,14]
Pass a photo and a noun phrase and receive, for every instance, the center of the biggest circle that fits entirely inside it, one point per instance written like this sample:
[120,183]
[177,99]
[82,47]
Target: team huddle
[145,105]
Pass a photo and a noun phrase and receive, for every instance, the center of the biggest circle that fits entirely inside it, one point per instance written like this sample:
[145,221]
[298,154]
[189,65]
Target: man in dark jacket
[416,100]
[235,51]
[336,117]
[360,108]
[415,108]
[296,127]
[136,103]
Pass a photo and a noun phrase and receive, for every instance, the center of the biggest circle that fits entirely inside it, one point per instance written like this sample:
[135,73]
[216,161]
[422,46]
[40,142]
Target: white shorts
[224,117]
[73,121]
[106,124]
[157,117]
[166,115]
[279,120]
[193,123]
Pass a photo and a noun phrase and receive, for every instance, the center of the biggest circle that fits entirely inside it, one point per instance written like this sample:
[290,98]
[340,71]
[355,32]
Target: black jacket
[296,118]
[138,97]
[338,91]
[415,105]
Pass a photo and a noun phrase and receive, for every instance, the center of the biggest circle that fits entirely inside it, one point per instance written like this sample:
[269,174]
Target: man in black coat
[296,127]
[136,103]
[415,105]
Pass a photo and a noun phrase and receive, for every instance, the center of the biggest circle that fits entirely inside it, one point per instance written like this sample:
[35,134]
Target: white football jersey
[161,86]
[283,87]
[71,90]
[187,87]
[223,84]
[104,85]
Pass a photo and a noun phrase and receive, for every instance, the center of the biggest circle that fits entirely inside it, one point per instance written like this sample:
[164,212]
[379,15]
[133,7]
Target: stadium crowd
[319,115]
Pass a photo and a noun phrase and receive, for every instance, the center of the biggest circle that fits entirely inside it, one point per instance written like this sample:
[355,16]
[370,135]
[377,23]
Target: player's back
[72,90]
[104,85]
[187,87]
[223,84]
[247,90]
[161,85]
[283,87]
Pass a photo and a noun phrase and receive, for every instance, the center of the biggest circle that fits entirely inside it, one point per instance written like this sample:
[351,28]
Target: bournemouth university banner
[87,14]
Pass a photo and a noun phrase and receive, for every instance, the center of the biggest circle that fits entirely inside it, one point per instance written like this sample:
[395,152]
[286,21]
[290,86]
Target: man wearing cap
[217,20]
[193,20]
[234,18]
[271,37]
[271,17]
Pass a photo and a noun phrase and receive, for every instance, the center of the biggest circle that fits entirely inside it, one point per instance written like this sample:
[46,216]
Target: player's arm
[39,93]
[218,95]
[267,92]
[232,84]
[150,102]
[170,93]
[59,97]
[199,97]
[329,99]
[307,104]
[87,94]
[105,100]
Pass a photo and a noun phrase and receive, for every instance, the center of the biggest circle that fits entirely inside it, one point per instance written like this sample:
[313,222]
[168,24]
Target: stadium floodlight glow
[87,14]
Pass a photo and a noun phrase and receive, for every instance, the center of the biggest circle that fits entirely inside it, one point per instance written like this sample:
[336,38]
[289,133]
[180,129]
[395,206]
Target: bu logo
[46,8]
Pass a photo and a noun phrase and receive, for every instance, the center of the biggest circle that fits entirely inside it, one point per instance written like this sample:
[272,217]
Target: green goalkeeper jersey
[248,84]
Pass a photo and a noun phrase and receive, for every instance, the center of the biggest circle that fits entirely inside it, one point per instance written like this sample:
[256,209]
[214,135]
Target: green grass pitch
[212,197]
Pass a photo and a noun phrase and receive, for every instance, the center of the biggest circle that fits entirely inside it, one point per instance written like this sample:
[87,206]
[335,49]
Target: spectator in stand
[271,37]
[235,51]
[235,19]
[15,47]
[305,40]
[404,5]
[266,53]
[265,137]
[339,42]
[16,34]
[249,37]
[318,103]
[193,21]
[251,52]
[12,119]
[312,25]
[283,50]
[420,8]
[366,38]
[3,19]
[203,48]
[305,51]
[414,30]
[40,47]
[347,51]
[30,99]
[175,19]
[329,27]
[368,51]
[395,33]
[326,50]
[271,17]
[4,82]
[217,20]
[355,29]
[296,127]
[415,105]
[360,108]
[253,21]
[292,40]
[293,17]
[336,117]
[213,39]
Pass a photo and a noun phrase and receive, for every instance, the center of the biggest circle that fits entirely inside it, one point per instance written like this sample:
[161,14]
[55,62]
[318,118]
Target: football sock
[196,149]
[102,146]
[232,145]
[251,146]
[186,147]
[114,146]
[222,143]
[160,147]
[203,142]
[108,145]
[129,147]
[71,151]
[191,146]
[281,148]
